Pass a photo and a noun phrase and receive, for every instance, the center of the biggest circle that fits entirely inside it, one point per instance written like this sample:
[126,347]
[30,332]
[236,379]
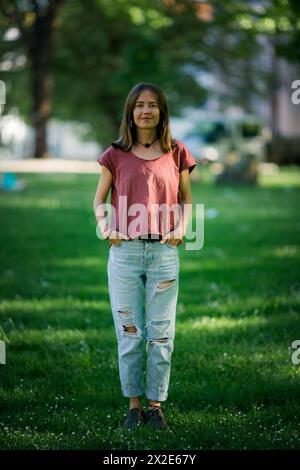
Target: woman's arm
[186,208]
[187,199]
[104,185]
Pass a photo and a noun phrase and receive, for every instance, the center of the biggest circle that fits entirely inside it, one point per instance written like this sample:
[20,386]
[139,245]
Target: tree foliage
[101,48]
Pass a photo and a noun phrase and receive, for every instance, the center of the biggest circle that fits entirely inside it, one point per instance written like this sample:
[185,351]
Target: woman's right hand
[116,237]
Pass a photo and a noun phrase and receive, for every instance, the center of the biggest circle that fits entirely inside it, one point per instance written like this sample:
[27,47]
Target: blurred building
[65,139]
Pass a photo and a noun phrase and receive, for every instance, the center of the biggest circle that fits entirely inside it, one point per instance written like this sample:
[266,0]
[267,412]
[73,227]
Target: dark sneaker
[155,420]
[134,419]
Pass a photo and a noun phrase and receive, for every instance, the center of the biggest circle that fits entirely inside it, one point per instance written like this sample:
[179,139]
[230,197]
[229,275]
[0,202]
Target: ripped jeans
[134,266]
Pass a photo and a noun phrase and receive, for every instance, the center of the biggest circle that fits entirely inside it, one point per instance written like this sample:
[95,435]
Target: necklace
[147,145]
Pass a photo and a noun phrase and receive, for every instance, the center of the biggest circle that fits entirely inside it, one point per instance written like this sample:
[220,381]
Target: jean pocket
[121,243]
[173,247]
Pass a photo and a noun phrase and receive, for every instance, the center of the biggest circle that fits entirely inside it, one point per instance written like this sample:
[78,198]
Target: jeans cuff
[134,393]
[156,397]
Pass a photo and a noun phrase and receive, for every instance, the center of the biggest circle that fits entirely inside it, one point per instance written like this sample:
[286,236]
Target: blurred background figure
[8,181]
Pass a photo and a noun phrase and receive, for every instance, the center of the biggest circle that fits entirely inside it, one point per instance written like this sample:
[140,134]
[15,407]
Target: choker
[147,145]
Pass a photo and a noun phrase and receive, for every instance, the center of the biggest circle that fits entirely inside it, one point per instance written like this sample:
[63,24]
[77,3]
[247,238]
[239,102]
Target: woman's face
[146,110]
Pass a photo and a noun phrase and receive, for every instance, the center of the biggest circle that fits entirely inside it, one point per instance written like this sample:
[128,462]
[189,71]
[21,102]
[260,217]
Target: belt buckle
[148,238]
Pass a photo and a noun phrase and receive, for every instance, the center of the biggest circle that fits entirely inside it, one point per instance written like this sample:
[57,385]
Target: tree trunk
[40,52]
[274,103]
[37,39]
[274,93]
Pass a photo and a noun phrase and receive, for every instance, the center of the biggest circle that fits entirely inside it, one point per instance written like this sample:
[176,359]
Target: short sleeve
[106,160]
[187,161]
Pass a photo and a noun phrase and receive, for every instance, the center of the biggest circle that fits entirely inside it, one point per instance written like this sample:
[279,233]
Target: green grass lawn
[233,385]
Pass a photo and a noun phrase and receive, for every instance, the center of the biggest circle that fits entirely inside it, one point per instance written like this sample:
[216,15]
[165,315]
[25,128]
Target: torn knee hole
[125,314]
[129,328]
[162,340]
[165,284]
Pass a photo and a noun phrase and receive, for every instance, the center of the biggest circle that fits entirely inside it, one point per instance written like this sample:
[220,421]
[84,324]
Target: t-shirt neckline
[146,160]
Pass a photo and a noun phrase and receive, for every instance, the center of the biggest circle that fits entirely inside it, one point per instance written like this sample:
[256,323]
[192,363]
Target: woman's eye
[152,105]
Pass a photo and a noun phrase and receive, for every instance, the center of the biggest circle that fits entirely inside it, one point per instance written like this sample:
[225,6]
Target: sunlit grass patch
[233,384]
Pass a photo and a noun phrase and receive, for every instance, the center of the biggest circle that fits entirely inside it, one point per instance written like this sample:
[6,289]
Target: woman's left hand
[172,238]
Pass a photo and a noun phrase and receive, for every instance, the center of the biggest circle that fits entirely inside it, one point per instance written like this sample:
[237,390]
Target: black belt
[148,238]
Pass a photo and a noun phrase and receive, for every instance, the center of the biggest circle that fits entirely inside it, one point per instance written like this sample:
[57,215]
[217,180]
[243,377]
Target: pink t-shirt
[148,184]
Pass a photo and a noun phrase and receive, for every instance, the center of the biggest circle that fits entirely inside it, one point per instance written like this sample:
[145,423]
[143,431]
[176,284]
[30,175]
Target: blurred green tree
[118,45]
[35,21]
[78,59]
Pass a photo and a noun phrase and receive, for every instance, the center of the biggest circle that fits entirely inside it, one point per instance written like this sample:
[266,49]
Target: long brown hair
[127,132]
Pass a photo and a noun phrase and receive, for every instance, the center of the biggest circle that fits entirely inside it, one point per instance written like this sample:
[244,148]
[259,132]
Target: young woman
[145,169]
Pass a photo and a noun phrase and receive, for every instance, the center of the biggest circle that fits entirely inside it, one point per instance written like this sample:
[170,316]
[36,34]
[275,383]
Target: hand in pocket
[117,237]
